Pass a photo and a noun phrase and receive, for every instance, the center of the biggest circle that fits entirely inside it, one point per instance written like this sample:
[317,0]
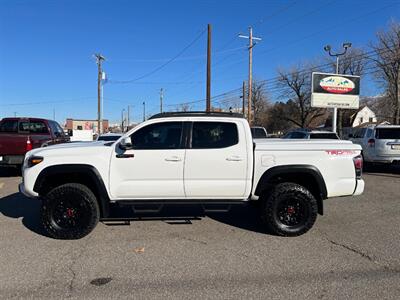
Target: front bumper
[22,190]
[359,187]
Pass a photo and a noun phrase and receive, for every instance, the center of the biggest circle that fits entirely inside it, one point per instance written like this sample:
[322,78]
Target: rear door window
[9,126]
[212,135]
[387,133]
[57,130]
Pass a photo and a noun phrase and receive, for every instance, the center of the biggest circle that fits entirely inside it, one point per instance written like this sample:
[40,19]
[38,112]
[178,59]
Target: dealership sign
[335,90]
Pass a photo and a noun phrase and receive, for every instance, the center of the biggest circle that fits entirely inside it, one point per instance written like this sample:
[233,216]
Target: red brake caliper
[70,212]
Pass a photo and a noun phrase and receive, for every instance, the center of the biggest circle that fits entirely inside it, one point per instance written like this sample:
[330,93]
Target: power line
[47,102]
[330,28]
[164,64]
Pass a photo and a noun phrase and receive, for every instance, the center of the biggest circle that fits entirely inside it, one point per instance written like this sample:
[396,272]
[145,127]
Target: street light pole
[328,49]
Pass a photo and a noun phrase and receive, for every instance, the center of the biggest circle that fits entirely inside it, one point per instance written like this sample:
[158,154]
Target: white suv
[380,143]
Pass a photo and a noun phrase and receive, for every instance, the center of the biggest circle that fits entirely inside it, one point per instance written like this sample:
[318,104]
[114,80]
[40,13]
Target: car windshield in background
[258,133]
[108,138]
[387,133]
[329,136]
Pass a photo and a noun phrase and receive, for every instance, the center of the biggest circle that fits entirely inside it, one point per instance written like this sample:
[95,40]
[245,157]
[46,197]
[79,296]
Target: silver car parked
[380,143]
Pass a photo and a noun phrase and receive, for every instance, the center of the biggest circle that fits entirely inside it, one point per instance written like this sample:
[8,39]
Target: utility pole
[328,49]
[397,121]
[144,111]
[15,114]
[250,48]
[208,88]
[127,117]
[99,60]
[244,98]
[161,100]
[122,119]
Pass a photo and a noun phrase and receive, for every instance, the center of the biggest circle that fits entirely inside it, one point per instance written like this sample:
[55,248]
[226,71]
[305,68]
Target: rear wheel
[289,210]
[70,211]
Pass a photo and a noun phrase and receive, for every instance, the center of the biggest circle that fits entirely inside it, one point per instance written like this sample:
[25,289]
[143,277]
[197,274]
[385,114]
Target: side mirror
[126,143]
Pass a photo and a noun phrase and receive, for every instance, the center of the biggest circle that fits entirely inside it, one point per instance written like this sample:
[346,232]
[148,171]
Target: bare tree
[259,104]
[352,63]
[277,121]
[184,108]
[295,85]
[387,62]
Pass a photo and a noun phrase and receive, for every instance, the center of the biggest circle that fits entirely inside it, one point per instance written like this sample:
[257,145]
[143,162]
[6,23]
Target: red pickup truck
[19,135]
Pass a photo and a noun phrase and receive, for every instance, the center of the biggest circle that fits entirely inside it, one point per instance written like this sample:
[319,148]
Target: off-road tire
[280,198]
[79,202]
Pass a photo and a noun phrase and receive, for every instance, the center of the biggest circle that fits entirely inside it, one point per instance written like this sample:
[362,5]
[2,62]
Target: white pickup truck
[190,158]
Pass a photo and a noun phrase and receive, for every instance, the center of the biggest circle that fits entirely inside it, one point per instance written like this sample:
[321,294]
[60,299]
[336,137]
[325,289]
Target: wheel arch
[306,175]
[88,175]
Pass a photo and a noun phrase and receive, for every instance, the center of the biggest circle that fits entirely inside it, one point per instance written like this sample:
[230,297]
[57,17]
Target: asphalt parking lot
[352,252]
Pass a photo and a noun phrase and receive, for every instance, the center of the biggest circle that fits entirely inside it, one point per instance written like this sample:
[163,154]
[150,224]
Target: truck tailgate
[12,144]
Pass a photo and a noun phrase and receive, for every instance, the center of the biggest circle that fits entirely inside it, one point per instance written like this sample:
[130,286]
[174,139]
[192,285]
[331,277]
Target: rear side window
[387,133]
[214,135]
[9,126]
[38,127]
[329,136]
[166,135]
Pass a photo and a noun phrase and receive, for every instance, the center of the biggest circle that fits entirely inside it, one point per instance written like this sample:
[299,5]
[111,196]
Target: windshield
[258,133]
[108,138]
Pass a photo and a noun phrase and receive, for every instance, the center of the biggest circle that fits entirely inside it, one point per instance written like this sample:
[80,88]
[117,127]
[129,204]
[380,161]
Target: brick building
[79,124]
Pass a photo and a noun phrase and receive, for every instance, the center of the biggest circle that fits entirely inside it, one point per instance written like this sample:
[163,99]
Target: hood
[66,147]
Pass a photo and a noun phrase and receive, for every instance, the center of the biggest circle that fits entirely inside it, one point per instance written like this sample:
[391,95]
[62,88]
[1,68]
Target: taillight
[358,165]
[28,144]
[371,142]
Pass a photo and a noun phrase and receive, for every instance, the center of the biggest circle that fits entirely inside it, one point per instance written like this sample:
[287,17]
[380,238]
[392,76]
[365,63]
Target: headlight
[34,160]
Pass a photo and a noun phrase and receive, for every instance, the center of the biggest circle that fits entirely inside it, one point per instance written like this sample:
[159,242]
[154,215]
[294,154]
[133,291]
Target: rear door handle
[234,158]
[173,158]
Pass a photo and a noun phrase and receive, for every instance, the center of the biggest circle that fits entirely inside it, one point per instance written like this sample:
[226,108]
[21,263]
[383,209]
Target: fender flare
[87,170]
[273,172]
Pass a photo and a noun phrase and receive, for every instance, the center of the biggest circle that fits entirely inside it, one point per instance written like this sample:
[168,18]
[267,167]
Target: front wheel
[289,210]
[70,211]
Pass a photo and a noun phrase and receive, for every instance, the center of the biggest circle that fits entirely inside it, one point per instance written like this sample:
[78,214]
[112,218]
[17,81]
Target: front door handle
[234,158]
[124,155]
[173,158]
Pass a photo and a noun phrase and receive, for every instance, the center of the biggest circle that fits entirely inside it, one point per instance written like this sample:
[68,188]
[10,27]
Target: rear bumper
[386,159]
[7,160]
[359,187]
